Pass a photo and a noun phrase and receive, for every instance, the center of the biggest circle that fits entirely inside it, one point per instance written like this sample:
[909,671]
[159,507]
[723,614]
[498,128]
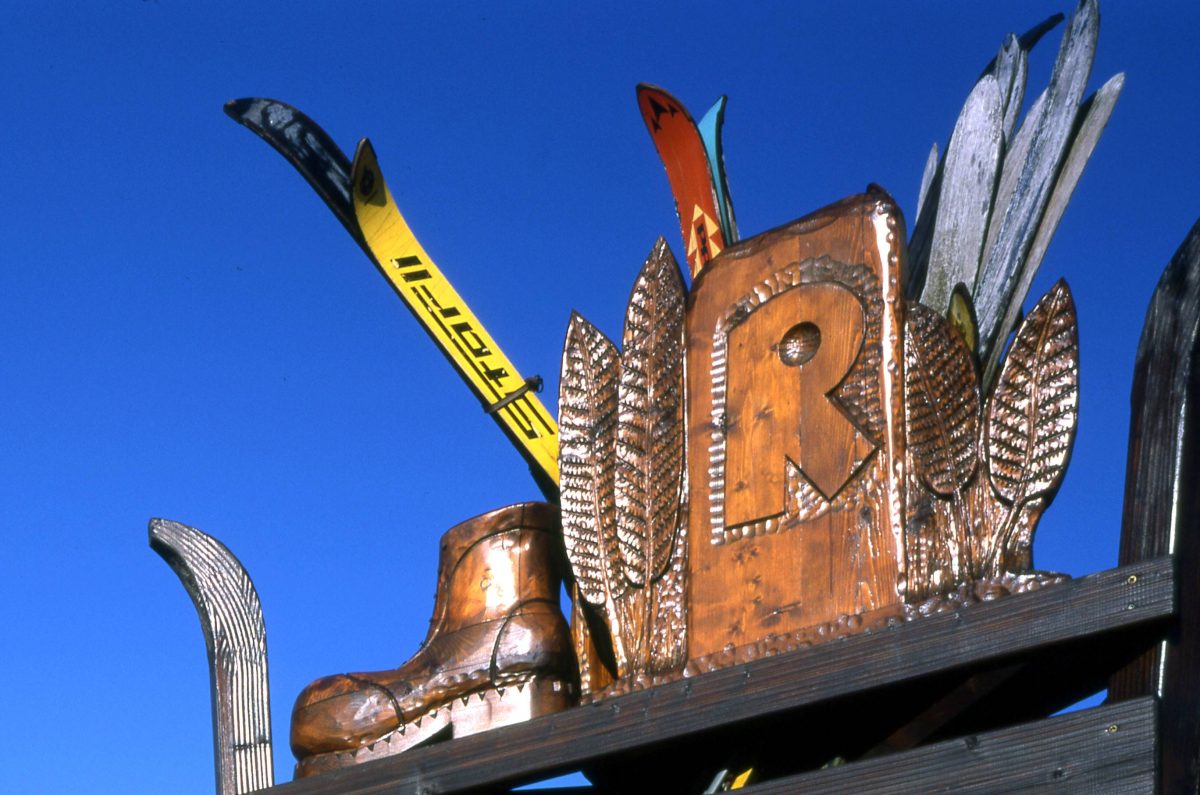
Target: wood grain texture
[1009,68]
[1017,221]
[931,169]
[736,699]
[236,640]
[795,435]
[1106,749]
[1162,505]
[1090,122]
[968,184]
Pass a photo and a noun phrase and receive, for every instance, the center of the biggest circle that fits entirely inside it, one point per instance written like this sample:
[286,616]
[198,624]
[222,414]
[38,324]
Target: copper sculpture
[845,469]
[621,458]
[818,440]
[498,651]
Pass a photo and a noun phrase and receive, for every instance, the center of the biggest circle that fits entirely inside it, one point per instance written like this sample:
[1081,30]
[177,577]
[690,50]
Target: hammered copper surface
[496,625]
[1031,419]
[942,418]
[621,455]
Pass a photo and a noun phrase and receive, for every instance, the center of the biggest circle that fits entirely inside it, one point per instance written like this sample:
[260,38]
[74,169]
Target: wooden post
[1162,507]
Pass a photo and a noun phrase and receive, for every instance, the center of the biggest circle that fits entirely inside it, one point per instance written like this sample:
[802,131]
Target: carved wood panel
[795,434]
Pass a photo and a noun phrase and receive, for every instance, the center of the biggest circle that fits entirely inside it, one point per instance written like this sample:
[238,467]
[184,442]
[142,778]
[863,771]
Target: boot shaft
[493,563]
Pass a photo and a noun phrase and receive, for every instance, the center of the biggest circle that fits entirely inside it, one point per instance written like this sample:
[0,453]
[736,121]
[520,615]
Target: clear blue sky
[186,332]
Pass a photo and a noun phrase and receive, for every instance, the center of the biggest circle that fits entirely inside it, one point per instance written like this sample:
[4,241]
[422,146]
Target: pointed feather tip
[576,327]
[661,252]
[1061,288]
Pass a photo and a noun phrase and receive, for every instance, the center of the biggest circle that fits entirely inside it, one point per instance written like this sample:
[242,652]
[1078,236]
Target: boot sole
[463,716]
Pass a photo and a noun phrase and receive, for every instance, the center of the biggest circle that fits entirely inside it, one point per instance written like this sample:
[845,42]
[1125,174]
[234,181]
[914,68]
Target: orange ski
[681,149]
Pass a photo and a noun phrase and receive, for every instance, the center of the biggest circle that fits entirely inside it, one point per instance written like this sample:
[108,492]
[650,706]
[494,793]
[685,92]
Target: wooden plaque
[795,427]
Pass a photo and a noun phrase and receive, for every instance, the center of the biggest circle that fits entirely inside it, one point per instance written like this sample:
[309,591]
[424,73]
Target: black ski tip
[1032,36]
[236,108]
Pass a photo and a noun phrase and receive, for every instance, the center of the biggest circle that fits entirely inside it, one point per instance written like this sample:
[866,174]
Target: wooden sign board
[795,427]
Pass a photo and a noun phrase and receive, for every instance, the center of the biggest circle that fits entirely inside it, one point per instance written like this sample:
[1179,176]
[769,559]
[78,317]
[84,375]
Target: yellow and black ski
[358,196]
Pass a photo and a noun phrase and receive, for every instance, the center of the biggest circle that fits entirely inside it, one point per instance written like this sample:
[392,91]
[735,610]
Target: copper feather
[1032,414]
[587,415]
[941,399]
[650,427]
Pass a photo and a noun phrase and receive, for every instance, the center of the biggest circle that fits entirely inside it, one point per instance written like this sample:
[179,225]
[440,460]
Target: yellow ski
[509,398]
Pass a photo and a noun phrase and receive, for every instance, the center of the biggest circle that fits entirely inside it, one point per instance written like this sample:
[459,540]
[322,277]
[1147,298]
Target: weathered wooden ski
[236,639]
[306,146]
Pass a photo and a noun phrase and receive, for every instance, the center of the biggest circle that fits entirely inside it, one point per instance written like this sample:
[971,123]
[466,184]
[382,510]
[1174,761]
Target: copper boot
[498,651]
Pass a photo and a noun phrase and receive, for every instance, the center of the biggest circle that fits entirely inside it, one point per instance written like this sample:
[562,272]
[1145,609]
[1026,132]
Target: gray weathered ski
[1016,224]
[236,640]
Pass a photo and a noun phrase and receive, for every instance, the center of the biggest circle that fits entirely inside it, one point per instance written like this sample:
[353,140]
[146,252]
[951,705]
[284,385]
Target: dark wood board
[1105,749]
[733,701]
[1162,505]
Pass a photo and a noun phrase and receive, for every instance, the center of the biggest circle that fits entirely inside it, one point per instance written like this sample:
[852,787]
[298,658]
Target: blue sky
[186,332]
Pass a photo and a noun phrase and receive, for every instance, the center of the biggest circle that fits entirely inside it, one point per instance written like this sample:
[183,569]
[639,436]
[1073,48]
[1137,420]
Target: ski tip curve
[366,178]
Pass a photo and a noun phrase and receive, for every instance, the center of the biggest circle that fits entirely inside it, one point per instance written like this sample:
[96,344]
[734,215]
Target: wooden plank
[1015,223]
[734,699]
[1106,749]
[1090,123]
[968,184]
[1162,504]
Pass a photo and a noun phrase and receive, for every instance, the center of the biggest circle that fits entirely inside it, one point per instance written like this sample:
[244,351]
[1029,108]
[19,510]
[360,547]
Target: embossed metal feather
[1033,412]
[587,416]
[650,426]
[941,401]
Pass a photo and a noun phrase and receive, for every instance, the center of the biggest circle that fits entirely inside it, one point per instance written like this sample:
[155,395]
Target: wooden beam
[734,700]
[1105,749]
